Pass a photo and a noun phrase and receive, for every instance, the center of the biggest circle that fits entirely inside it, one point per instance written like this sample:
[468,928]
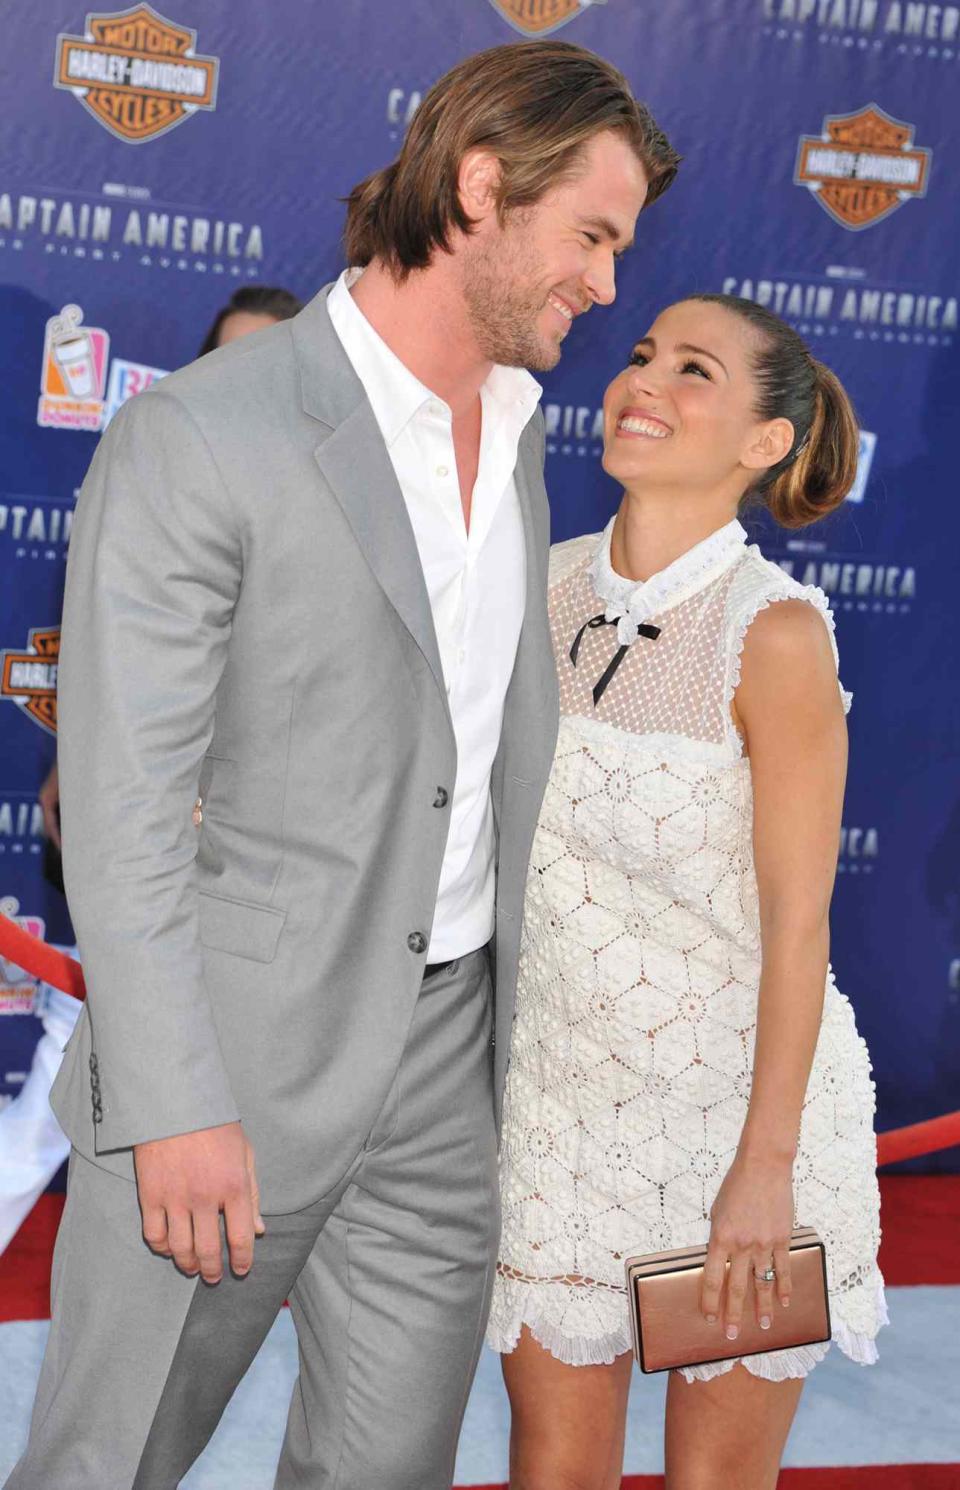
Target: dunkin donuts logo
[74,372]
[28,678]
[540,17]
[863,167]
[137,72]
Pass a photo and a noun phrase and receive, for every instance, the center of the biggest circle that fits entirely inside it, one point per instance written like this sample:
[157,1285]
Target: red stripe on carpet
[920,1221]
[25,1266]
[867,1477]
[921,1244]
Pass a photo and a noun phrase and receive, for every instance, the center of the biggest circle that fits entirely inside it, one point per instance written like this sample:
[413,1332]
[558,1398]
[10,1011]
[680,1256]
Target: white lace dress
[632,1046]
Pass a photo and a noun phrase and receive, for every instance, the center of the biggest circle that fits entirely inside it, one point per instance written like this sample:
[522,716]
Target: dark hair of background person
[535,105]
[254,300]
[821,466]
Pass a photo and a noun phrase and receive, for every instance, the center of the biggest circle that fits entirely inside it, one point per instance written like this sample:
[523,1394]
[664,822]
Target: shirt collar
[636,601]
[395,394]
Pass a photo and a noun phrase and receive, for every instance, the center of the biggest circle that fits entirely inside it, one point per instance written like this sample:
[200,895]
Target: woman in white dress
[683,1068]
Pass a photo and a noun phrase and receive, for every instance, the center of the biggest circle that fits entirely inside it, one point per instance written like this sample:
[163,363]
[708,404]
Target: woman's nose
[643,380]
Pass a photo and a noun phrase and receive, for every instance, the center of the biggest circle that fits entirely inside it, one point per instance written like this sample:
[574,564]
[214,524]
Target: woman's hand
[752,1221]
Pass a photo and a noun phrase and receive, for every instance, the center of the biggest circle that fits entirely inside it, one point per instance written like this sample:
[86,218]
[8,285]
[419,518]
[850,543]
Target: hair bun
[824,469]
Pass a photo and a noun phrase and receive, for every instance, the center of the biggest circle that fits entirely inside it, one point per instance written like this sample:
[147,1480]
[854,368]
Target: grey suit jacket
[246,620]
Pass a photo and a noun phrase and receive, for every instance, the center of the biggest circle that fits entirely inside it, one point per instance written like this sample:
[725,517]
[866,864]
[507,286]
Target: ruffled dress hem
[601,1350]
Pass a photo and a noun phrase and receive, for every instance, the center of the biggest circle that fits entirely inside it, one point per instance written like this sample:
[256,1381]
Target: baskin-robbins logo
[28,677]
[74,372]
[126,380]
[863,166]
[18,988]
[868,447]
[137,73]
[540,17]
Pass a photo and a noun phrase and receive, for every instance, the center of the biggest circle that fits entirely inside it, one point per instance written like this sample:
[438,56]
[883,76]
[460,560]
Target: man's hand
[184,1183]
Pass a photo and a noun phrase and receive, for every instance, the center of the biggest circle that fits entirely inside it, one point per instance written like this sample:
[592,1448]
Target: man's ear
[768,446]
[478,180]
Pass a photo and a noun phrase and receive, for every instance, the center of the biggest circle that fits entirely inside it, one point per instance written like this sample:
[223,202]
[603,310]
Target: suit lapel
[354,462]
[534,667]
[359,472]
[536,579]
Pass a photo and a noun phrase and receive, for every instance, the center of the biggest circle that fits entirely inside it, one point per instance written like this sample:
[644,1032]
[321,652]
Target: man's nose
[600,280]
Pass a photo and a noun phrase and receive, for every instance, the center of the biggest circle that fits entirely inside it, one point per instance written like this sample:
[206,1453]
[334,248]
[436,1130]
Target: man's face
[525,281]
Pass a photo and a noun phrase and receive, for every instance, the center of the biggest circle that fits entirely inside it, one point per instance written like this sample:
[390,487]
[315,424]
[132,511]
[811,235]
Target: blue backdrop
[155,161]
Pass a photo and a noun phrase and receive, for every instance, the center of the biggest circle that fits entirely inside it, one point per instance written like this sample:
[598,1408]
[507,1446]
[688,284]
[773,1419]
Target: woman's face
[240,323]
[682,413]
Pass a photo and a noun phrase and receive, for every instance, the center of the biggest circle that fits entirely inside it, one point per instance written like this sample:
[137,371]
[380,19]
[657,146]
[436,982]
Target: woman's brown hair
[534,105]
[821,466]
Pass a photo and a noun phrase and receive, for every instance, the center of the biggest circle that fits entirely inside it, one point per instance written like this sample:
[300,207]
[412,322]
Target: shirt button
[442,797]
[443,470]
[417,942]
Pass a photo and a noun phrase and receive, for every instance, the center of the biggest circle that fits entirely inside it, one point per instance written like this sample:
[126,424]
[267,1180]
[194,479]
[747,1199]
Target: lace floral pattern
[632,1046]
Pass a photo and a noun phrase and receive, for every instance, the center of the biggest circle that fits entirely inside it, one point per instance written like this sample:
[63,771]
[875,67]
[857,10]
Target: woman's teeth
[631,425]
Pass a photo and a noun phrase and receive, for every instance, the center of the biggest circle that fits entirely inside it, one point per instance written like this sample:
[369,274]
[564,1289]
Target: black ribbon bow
[643,629]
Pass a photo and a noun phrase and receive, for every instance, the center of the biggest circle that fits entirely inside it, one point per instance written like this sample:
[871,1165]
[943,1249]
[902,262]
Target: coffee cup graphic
[74,357]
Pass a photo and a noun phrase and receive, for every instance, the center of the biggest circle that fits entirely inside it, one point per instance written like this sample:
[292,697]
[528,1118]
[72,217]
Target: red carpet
[921,1244]
[871,1477]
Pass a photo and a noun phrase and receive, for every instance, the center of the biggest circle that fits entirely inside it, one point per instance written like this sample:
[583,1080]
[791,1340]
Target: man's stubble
[504,301]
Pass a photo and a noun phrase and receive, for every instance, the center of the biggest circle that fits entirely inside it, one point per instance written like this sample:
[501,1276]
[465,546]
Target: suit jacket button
[442,797]
[417,942]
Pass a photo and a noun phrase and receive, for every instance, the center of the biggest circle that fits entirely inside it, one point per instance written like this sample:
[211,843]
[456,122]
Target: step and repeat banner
[153,161]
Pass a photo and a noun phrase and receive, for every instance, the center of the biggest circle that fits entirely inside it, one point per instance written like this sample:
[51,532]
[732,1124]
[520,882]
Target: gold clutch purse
[670,1331]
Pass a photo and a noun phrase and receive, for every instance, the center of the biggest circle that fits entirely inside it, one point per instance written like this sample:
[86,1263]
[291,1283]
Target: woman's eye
[638,359]
[697,368]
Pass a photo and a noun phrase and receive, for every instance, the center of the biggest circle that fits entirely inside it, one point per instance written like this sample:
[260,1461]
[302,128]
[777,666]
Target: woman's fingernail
[785,1303]
[765,1321]
[732,1331]
[711,1319]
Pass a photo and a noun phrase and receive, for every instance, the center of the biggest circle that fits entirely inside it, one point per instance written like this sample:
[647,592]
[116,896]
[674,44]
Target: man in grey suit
[308,708]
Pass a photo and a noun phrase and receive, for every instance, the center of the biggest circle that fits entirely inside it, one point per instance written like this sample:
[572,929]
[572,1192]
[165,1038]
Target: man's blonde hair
[534,105]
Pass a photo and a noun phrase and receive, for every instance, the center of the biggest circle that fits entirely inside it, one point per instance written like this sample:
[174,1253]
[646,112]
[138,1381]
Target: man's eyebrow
[684,346]
[609,230]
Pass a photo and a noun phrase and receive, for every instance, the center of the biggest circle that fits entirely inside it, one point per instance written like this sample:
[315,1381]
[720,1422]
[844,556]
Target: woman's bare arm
[789,710]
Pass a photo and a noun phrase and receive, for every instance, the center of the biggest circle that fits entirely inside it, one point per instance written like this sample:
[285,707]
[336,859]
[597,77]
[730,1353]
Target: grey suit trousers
[388,1278]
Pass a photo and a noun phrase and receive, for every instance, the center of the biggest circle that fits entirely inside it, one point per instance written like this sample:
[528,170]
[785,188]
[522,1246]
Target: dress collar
[634,602]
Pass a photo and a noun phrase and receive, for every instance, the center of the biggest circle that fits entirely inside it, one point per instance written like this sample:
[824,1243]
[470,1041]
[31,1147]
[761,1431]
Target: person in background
[251,308]
[32,1144]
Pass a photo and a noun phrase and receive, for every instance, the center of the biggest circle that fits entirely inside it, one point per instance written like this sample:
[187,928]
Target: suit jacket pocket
[240,927]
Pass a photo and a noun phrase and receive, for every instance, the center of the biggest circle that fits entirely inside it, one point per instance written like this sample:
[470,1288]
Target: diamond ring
[765,1277]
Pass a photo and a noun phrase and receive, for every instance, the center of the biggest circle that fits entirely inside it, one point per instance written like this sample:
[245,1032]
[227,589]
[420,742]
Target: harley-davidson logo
[540,17]
[29,678]
[136,72]
[863,166]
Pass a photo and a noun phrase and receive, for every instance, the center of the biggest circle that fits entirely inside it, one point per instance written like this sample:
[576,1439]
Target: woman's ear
[768,445]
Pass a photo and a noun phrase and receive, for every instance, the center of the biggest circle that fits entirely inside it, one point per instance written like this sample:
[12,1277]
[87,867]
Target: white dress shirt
[476,582]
